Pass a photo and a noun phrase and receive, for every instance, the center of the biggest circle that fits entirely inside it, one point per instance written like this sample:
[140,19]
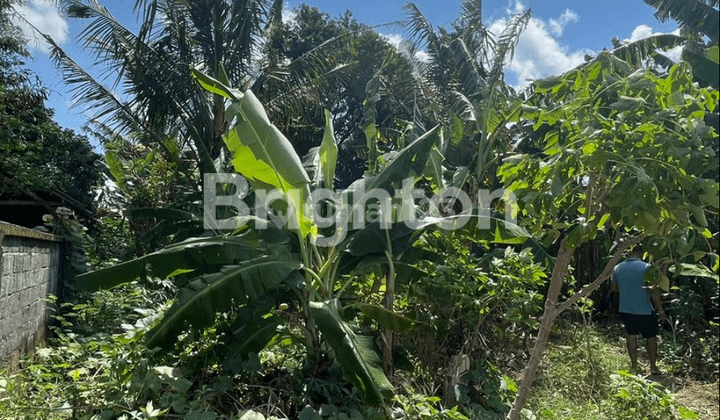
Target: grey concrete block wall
[29,271]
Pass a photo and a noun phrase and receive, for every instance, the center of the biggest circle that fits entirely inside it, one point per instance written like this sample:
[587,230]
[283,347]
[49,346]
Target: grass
[582,378]
[575,375]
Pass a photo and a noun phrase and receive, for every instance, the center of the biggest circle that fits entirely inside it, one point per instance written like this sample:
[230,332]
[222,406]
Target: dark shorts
[646,325]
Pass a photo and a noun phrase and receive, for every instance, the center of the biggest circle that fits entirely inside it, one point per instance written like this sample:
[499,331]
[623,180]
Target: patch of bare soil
[701,398]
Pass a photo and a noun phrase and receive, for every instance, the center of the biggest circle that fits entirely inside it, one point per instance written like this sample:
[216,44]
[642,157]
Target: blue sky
[559,34]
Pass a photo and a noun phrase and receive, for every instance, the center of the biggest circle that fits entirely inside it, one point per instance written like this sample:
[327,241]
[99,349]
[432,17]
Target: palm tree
[151,69]
[463,80]
[463,83]
[697,19]
[695,16]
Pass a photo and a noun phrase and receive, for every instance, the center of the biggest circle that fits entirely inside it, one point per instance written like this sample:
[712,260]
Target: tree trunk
[549,314]
[387,333]
[553,309]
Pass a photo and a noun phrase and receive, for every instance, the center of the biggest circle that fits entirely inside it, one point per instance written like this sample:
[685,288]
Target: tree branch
[606,273]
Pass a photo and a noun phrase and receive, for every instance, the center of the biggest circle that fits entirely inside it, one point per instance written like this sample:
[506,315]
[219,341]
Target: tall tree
[12,48]
[463,81]
[37,156]
[158,97]
[624,151]
[364,56]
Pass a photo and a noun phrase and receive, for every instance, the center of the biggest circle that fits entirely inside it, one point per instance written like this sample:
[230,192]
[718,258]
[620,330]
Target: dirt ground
[701,398]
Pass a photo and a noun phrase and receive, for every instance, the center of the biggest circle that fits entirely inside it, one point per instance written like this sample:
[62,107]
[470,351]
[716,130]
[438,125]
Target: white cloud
[397,40]
[422,56]
[393,39]
[515,7]
[44,15]
[557,26]
[644,31]
[288,15]
[539,53]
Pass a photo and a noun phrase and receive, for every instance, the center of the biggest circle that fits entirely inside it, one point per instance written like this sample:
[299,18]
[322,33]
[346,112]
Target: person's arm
[655,296]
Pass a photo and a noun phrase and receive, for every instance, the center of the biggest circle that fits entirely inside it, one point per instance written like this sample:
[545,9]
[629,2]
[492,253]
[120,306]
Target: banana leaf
[354,352]
[262,154]
[327,155]
[185,256]
[252,336]
[693,270]
[198,304]
[410,162]
[320,161]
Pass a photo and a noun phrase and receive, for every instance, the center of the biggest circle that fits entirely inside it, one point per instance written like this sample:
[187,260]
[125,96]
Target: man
[636,306]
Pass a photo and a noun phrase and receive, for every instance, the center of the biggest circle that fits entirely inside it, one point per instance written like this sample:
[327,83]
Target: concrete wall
[29,271]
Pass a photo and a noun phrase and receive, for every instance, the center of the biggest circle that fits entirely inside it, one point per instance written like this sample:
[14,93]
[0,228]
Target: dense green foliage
[243,319]
[37,156]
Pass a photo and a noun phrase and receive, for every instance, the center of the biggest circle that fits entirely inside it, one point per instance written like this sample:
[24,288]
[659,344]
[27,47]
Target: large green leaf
[384,317]
[354,352]
[434,169]
[693,270]
[261,153]
[213,293]
[251,336]
[410,162]
[365,241]
[215,86]
[254,327]
[189,255]
[320,161]
[328,154]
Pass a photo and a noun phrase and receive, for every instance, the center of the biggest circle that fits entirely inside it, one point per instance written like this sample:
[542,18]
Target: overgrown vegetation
[267,311]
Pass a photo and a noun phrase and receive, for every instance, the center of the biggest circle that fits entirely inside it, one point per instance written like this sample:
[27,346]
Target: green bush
[637,398]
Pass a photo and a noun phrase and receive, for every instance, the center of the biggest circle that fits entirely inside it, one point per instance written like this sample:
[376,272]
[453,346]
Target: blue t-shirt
[634,295]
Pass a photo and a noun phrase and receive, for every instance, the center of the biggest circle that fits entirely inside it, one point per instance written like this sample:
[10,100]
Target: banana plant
[306,255]
[238,268]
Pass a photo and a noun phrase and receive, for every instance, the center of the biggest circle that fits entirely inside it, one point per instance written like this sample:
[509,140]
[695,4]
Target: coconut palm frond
[696,15]
[505,48]
[243,28]
[92,95]
[421,30]
[471,75]
[636,52]
[471,14]
[102,132]
[288,88]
